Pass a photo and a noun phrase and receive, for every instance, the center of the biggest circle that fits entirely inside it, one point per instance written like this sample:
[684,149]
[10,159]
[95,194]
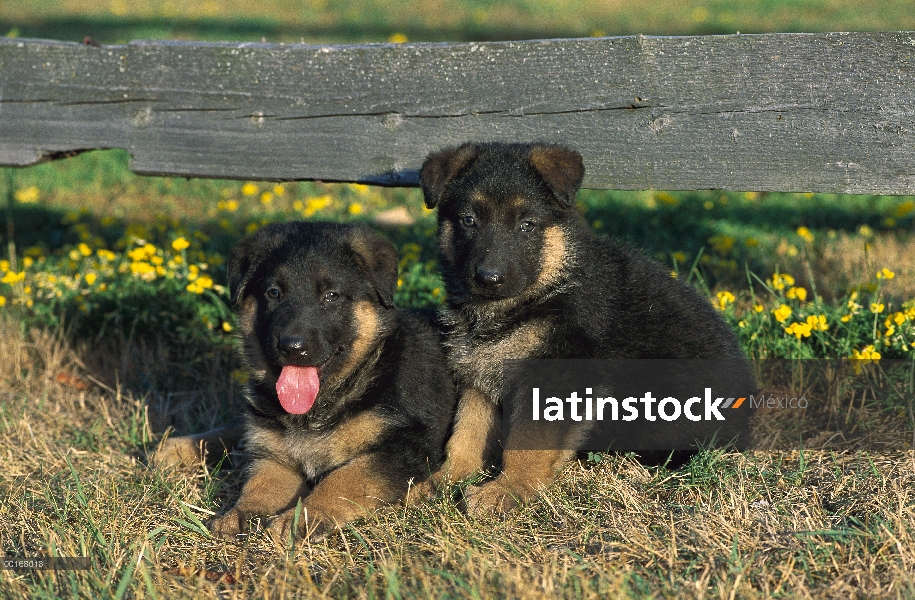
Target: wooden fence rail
[778,112]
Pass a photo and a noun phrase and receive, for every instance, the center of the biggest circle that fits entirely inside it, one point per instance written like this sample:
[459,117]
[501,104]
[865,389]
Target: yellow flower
[400,283]
[204,281]
[27,262]
[782,313]
[106,255]
[798,330]
[226,326]
[797,292]
[397,38]
[12,277]
[722,244]
[806,234]
[249,189]
[180,244]
[898,318]
[877,307]
[780,280]
[724,299]
[758,308]
[266,198]
[84,249]
[817,322]
[2,301]
[889,331]
[279,190]
[846,318]
[355,208]
[436,292]
[229,205]
[27,196]
[865,231]
[866,356]
[885,273]
[90,278]
[741,324]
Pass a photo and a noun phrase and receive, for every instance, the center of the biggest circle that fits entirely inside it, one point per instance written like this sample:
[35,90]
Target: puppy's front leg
[345,494]
[477,427]
[271,487]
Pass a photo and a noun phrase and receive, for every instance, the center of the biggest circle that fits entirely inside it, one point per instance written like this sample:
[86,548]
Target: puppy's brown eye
[468,221]
[273,293]
[527,226]
[331,296]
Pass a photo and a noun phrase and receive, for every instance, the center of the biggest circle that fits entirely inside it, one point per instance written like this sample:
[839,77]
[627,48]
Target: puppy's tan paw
[493,498]
[182,451]
[312,526]
[229,525]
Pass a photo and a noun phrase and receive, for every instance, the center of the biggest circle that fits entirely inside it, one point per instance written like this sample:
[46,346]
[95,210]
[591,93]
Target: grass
[372,21]
[94,375]
[112,336]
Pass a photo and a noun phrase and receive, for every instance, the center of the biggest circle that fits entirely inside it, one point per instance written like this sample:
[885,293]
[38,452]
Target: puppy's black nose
[489,278]
[291,346]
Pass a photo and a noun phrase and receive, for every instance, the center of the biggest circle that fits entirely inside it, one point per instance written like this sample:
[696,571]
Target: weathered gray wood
[781,112]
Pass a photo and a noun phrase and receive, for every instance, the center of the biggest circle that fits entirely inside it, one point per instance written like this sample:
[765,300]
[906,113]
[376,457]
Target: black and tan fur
[526,278]
[379,422]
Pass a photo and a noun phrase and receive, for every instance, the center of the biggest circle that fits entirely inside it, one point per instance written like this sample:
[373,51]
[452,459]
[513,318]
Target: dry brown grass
[826,524]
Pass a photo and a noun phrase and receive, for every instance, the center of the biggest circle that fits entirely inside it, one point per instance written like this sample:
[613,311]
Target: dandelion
[805,234]
[279,190]
[885,273]
[741,324]
[84,249]
[106,255]
[758,308]
[90,278]
[724,298]
[797,292]
[355,208]
[226,326]
[708,205]
[400,283]
[249,189]
[2,301]
[667,199]
[227,205]
[27,262]
[877,307]
[266,198]
[865,231]
[397,38]
[898,318]
[782,313]
[180,244]
[845,318]
[436,292]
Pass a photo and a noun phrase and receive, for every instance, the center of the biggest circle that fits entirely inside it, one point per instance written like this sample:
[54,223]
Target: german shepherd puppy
[526,278]
[350,399]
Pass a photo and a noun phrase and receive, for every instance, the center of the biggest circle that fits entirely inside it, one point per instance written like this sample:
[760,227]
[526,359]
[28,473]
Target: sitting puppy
[526,278]
[350,399]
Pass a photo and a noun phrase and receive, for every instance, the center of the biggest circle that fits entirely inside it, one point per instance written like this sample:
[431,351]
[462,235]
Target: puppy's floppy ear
[561,169]
[377,258]
[246,256]
[441,167]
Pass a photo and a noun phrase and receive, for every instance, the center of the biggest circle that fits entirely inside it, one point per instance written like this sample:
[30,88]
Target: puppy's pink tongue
[297,388]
